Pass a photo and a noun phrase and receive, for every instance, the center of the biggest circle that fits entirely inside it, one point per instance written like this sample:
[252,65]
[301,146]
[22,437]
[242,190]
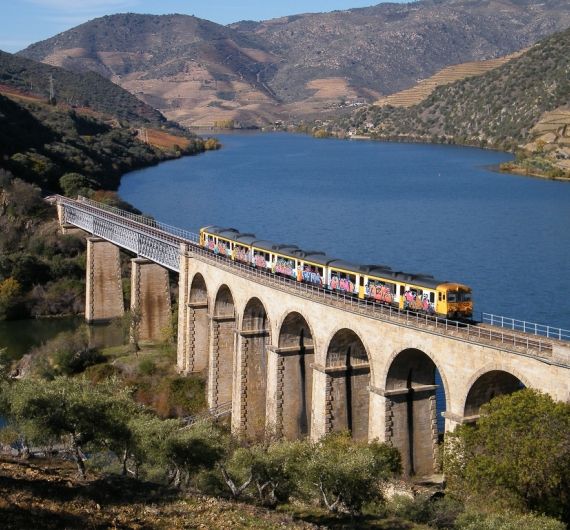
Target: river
[435,209]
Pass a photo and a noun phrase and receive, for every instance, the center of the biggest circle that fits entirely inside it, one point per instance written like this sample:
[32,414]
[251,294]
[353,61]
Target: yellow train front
[377,283]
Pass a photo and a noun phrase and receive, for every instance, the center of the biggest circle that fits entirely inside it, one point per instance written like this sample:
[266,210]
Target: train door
[401,290]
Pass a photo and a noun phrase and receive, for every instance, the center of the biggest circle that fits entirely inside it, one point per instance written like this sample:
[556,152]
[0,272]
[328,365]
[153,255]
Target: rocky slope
[198,72]
[86,89]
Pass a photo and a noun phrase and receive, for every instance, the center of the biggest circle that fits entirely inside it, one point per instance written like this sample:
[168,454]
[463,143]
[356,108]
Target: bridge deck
[161,243]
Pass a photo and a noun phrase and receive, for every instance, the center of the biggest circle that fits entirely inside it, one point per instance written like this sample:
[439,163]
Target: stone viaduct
[300,361]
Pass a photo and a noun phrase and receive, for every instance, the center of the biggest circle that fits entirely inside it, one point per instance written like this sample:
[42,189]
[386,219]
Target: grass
[368,521]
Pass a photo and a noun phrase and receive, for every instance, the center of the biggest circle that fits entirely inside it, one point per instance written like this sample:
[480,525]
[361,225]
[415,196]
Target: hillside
[198,72]
[417,93]
[40,143]
[500,108]
[88,89]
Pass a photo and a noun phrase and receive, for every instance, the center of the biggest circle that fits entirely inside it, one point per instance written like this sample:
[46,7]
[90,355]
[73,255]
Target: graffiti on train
[415,301]
[285,267]
[379,292]
[342,284]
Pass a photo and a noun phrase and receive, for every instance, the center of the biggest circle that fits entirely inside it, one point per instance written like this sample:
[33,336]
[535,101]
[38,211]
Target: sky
[24,22]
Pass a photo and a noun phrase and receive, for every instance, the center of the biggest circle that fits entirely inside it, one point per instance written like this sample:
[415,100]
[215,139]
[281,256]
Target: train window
[439,298]
[452,296]
[432,297]
[402,290]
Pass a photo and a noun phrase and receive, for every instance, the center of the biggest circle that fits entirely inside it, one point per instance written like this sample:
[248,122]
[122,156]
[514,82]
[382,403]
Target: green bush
[345,474]
[147,367]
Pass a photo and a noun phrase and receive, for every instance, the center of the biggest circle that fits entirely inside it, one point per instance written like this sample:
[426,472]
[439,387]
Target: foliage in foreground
[507,521]
[517,456]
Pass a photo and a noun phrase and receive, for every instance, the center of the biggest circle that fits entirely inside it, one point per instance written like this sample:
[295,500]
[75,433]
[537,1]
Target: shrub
[531,471]
[147,367]
[437,512]
[345,474]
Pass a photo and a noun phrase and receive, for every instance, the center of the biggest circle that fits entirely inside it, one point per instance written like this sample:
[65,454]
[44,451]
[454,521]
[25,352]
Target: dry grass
[45,495]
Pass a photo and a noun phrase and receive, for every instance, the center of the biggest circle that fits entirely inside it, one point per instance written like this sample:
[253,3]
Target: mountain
[87,89]
[198,72]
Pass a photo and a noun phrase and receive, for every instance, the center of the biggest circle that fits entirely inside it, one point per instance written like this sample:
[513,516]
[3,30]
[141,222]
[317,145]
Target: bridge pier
[183,298]
[150,297]
[104,290]
[411,426]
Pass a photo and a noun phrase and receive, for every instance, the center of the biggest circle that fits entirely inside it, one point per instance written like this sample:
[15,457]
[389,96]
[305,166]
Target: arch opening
[413,389]
[198,325]
[254,339]
[486,387]
[348,374]
[220,384]
[296,355]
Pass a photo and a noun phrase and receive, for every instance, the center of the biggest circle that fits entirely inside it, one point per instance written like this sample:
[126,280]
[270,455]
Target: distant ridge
[197,72]
[416,94]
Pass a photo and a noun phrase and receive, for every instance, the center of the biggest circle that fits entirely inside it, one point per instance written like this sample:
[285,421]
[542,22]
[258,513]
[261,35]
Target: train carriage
[343,276]
[312,266]
[378,283]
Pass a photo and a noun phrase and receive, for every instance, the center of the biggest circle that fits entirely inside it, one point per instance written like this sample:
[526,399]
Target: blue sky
[26,21]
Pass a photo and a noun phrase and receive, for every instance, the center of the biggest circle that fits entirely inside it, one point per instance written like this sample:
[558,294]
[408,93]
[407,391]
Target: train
[415,292]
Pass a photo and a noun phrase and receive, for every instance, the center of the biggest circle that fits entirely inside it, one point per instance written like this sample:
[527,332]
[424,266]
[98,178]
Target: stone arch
[384,375]
[254,337]
[411,412]
[295,356]
[486,385]
[348,380]
[198,325]
[222,349]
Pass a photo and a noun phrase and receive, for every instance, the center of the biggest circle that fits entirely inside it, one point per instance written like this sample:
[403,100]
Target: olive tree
[76,413]
[518,453]
[345,473]
[273,468]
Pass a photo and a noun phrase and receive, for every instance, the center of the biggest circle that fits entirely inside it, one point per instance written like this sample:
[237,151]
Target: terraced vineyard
[416,94]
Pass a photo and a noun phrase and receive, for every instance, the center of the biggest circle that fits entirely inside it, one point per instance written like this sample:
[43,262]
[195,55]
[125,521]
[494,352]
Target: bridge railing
[143,220]
[526,327]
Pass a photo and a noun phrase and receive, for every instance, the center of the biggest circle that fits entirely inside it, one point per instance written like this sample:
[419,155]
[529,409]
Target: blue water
[420,208]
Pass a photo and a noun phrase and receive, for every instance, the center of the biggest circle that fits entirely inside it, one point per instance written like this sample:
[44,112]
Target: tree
[72,412]
[518,453]
[73,184]
[193,448]
[274,469]
[10,290]
[345,474]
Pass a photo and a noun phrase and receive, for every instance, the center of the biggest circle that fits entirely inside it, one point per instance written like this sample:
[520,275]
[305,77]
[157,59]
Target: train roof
[315,256]
[288,250]
[264,244]
[371,269]
[342,264]
[320,258]
[246,239]
[221,231]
